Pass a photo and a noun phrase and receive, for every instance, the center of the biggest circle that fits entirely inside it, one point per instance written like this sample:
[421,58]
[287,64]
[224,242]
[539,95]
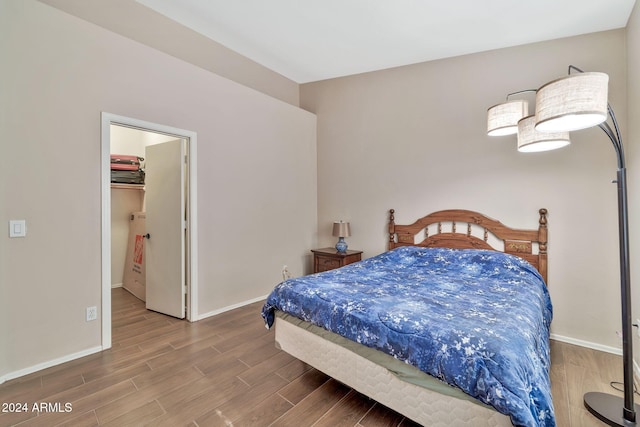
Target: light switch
[17,228]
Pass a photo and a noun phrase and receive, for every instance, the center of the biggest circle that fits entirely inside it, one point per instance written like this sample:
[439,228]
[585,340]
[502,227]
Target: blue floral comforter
[478,320]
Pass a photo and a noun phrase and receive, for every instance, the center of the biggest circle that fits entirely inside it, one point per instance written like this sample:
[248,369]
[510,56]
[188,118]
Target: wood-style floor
[225,371]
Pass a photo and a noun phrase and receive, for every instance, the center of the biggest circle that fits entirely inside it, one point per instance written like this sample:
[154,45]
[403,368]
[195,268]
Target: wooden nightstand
[326,259]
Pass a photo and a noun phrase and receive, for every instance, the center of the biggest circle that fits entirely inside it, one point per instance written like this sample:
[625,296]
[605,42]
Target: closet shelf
[128,186]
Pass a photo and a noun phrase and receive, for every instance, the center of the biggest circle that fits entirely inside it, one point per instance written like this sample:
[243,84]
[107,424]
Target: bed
[450,326]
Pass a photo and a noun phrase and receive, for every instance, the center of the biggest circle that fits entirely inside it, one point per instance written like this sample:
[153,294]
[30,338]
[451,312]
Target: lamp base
[608,408]
[341,246]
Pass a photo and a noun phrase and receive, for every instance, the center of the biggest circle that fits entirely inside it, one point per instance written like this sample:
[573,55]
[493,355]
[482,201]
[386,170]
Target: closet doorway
[167,201]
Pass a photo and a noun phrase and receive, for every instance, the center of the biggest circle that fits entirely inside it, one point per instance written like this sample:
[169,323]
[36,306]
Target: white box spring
[425,406]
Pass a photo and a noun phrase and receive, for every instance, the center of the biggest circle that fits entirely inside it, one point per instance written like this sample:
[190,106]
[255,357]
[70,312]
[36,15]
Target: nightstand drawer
[325,264]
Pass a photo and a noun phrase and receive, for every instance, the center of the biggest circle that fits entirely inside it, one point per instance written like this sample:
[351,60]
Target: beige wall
[632,145]
[414,139]
[256,176]
[159,32]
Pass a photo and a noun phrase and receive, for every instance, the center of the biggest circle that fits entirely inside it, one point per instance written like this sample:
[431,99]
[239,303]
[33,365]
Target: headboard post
[542,244]
[392,226]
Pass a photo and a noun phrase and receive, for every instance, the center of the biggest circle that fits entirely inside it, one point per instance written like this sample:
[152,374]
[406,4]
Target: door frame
[191,263]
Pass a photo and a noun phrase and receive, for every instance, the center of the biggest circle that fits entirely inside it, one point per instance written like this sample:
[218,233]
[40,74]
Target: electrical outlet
[92,313]
[285,273]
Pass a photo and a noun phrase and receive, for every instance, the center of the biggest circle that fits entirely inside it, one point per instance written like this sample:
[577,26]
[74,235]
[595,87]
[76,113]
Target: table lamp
[341,230]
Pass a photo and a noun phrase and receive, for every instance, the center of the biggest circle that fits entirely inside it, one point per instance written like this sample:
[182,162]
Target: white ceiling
[315,40]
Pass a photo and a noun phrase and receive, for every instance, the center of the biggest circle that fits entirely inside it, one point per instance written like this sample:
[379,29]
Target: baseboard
[230,307]
[587,344]
[49,364]
[116,285]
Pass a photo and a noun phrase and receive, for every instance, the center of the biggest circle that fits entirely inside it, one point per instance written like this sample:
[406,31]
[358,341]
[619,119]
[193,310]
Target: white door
[165,227]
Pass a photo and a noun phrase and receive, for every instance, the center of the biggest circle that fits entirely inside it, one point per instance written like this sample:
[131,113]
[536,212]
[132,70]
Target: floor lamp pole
[611,409]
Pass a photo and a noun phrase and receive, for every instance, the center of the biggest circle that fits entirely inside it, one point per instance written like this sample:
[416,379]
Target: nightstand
[326,259]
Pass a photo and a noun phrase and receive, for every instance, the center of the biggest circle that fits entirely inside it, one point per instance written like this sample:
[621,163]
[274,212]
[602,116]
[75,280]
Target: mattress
[379,376]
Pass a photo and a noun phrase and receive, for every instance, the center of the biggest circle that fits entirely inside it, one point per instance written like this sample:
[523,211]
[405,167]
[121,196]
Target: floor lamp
[579,101]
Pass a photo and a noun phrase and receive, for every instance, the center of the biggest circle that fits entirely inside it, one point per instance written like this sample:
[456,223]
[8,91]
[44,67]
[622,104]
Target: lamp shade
[578,101]
[341,229]
[530,140]
[502,119]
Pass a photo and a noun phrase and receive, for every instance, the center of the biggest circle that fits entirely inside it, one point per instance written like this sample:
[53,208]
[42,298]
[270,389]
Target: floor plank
[225,371]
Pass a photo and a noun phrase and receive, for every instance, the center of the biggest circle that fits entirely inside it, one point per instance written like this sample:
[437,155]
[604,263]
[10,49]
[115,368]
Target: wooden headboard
[460,235]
